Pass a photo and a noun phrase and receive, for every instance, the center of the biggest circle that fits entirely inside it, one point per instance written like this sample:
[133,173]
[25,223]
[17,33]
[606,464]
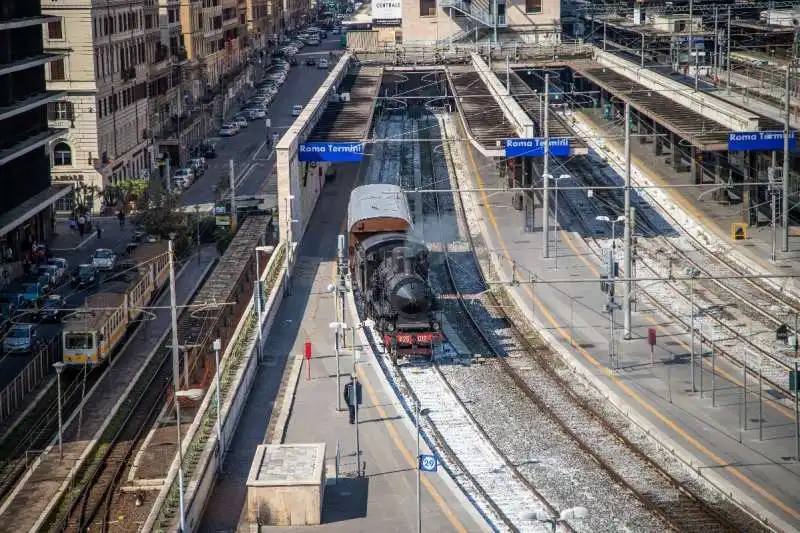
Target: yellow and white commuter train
[90,335]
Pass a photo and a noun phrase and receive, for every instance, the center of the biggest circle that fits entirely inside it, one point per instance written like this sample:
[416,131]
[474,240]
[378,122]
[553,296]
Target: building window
[533,6]
[60,111]
[54,30]
[427,8]
[62,155]
[57,70]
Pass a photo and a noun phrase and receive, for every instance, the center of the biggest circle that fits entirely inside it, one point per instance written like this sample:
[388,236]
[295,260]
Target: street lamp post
[337,327]
[557,225]
[217,347]
[611,277]
[59,366]
[692,273]
[419,413]
[288,251]
[176,376]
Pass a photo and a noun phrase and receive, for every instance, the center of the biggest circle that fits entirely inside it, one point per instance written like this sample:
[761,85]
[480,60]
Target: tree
[84,197]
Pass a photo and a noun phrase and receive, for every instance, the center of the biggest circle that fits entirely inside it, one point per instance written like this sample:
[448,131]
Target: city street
[76,250]
[248,148]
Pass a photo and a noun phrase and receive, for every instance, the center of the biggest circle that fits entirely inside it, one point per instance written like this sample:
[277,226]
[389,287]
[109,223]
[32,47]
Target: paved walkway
[385,499]
[42,485]
[661,393]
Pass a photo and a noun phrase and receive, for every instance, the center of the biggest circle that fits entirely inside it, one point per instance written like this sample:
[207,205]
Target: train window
[78,341]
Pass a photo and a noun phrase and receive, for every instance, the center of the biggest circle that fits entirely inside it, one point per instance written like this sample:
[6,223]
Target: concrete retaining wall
[199,488]
[290,183]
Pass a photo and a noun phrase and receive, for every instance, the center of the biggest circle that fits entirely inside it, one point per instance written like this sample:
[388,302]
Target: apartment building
[178,122]
[258,26]
[429,21]
[26,205]
[215,37]
[295,13]
[108,46]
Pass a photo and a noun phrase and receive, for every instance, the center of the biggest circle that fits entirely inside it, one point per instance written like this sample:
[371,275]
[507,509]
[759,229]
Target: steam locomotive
[389,265]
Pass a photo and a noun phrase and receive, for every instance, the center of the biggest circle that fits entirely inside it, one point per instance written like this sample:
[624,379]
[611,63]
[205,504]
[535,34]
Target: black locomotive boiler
[389,265]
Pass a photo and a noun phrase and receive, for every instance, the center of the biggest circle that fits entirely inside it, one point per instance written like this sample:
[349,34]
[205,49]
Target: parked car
[61,264]
[186,174]
[104,259]
[336,31]
[199,165]
[323,63]
[54,274]
[208,150]
[311,62]
[34,291]
[296,110]
[228,130]
[255,113]
[85,275]
[52,308]
[241,121]
[21,338]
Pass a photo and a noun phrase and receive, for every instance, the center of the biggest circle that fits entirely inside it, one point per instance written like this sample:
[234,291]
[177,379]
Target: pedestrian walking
[121,218]
[351,399]
[81,225]
[99,231]
[73,225]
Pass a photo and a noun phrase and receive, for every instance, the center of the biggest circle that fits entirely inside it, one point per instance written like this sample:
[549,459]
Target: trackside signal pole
[176,358]
[628,230]
[545,172]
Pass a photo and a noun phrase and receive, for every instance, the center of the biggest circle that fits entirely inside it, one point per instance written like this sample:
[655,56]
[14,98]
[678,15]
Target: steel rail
[692,503]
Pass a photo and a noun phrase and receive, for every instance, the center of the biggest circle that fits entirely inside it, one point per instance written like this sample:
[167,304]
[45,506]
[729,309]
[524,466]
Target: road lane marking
[725,465]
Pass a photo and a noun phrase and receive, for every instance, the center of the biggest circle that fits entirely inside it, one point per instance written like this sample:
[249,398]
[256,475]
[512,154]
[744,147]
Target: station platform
[385,498]
[716,217]
[570,315]
[50,475]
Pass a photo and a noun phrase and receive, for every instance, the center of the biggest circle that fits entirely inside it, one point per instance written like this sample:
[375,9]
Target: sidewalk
[39,490]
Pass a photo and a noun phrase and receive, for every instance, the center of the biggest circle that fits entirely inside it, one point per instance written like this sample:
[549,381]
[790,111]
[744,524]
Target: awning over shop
[32,207]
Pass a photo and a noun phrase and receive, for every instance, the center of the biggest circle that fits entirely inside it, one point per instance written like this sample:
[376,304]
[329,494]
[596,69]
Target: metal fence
[29,378]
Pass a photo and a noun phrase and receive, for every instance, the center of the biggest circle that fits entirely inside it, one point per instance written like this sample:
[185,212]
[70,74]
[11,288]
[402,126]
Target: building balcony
[24,22]
[128,74]
[27,62]
[25,142]
[31,102]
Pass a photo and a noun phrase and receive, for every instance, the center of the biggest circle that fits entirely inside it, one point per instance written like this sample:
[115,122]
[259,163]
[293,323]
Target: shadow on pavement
[346,500]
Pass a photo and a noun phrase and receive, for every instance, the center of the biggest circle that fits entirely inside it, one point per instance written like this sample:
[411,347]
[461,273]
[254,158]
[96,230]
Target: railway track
[88,508]
[31,434]
[753,298]
[653,486]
